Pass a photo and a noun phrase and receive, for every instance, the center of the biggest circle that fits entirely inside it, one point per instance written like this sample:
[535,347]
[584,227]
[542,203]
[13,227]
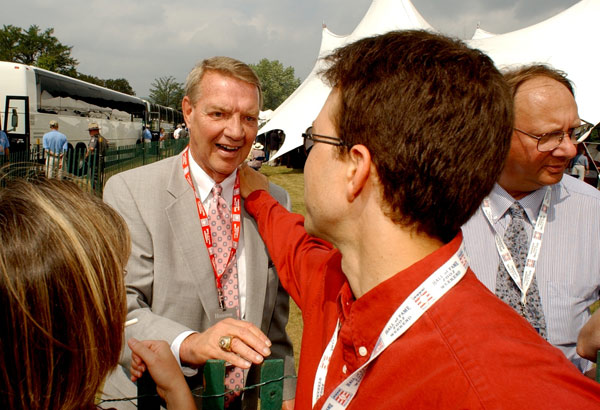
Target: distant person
[162,137]
[209,296]
[534,240]
[257,156]
[95,154]
[147,135]
[184,132]
[393,316]
[274,141]
[4,147]
[177,131]
[55,145]
[581,165]
[63,301]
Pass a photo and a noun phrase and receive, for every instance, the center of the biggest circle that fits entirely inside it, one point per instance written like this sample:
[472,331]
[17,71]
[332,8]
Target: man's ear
[186,108]
[359,169]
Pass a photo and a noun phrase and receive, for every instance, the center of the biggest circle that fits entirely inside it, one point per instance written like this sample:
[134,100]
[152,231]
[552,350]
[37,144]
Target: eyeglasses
[551,140]
[310,139]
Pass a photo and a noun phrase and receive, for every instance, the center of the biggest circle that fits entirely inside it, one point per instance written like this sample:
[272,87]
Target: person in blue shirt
[4,145]
[147,135]
[55,146]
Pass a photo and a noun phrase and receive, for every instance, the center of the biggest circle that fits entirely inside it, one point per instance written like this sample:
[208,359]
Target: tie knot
[216,191]
[517,211]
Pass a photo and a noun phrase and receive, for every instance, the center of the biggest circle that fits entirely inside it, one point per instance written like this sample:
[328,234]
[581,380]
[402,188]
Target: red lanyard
[235,222]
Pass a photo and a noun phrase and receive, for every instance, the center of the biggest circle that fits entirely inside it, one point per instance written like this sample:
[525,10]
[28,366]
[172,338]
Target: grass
[292,180]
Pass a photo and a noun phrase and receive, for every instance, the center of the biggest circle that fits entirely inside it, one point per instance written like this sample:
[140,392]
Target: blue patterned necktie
[517,243]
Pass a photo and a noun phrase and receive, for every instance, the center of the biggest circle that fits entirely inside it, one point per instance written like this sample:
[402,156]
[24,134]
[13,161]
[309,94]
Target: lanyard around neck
[534,248]
[235,223]
[419,301]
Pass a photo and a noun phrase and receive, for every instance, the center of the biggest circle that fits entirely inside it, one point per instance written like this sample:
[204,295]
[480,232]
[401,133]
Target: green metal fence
[265,394]
[90,172]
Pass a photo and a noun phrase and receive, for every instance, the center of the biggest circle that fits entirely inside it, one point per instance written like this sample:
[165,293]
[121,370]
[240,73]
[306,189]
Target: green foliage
[119,84]
[278,83]
[37,48]
[166,91]
[41,49]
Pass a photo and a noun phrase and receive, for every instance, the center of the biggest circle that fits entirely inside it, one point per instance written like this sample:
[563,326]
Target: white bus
[30,97]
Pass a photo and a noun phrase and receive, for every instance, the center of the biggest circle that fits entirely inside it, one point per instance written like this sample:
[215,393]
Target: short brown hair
[62,257]
[436,117]
[224,65]
[515,77]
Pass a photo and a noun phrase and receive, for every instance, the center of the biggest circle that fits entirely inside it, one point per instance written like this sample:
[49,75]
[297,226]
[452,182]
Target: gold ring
[225,343]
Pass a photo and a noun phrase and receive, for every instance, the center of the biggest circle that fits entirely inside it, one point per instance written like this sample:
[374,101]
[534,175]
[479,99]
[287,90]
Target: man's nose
[234,128]
[566,148]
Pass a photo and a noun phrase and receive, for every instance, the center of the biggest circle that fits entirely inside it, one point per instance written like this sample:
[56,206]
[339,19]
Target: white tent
[567,41]
[299,110]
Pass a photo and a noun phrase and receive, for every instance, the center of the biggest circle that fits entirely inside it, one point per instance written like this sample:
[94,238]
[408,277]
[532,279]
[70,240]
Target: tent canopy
[565,41]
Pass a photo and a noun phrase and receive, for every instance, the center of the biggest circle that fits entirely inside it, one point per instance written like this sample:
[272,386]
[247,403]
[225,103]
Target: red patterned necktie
[220,228]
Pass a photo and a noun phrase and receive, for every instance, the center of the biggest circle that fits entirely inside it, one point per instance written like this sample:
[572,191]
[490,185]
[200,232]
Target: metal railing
[91,171]
[211,395]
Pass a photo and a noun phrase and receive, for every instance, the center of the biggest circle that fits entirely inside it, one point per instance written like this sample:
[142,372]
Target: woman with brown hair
[62,258]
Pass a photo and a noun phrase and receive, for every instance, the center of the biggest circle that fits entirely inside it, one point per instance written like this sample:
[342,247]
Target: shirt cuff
[175,346]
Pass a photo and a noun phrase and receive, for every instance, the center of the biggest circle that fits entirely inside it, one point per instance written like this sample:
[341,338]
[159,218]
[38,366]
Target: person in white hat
[257,156]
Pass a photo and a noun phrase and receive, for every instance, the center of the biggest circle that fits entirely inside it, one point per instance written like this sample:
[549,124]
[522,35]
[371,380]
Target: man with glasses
[393,316]
[533,242]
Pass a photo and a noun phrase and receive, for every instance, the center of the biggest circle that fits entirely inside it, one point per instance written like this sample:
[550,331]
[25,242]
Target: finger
[246,331]
[247,352]
[252,340]
[141,350]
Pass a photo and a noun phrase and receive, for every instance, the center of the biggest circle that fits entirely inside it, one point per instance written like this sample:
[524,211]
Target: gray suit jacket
[170,281]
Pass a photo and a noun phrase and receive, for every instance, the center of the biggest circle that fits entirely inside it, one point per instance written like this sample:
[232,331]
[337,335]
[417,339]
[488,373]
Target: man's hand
[251,180]
[156,356]
[249,345]
[588,341]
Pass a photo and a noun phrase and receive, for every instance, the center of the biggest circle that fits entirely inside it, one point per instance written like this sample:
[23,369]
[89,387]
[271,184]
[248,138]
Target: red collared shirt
[468,351]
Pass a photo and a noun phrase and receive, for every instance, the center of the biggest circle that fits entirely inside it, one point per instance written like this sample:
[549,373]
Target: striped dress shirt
[568,269]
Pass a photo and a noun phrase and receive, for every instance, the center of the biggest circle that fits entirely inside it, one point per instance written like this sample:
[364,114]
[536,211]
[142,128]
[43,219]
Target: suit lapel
[185,224]
[256,270]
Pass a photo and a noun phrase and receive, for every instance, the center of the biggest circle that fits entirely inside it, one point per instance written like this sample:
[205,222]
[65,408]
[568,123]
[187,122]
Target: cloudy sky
[144,40]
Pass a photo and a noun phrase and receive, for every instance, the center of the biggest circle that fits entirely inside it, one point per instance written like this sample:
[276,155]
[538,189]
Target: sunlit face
[541,105]
[222,124]
[323,175]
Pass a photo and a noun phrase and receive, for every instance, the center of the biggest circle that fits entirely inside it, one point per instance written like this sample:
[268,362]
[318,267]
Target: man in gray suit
[172,288]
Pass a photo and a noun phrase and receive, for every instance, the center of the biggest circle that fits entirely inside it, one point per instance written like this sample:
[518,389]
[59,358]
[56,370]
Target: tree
[278,83]
[119,84]
[167,91]
[37,48]
[42,49]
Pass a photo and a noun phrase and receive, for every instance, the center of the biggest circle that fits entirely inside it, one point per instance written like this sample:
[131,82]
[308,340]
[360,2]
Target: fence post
[214,383]
[271,395]
[148,398]
[598,366]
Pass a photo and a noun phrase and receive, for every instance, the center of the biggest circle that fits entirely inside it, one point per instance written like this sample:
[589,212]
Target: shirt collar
[500,201]
[368,315]
[204,183]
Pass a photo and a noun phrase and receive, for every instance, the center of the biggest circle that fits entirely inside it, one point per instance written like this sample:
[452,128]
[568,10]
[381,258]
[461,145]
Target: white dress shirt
[568,269]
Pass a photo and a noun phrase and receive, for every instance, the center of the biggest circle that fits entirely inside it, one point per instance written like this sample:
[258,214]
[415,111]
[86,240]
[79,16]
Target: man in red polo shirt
[409,142]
